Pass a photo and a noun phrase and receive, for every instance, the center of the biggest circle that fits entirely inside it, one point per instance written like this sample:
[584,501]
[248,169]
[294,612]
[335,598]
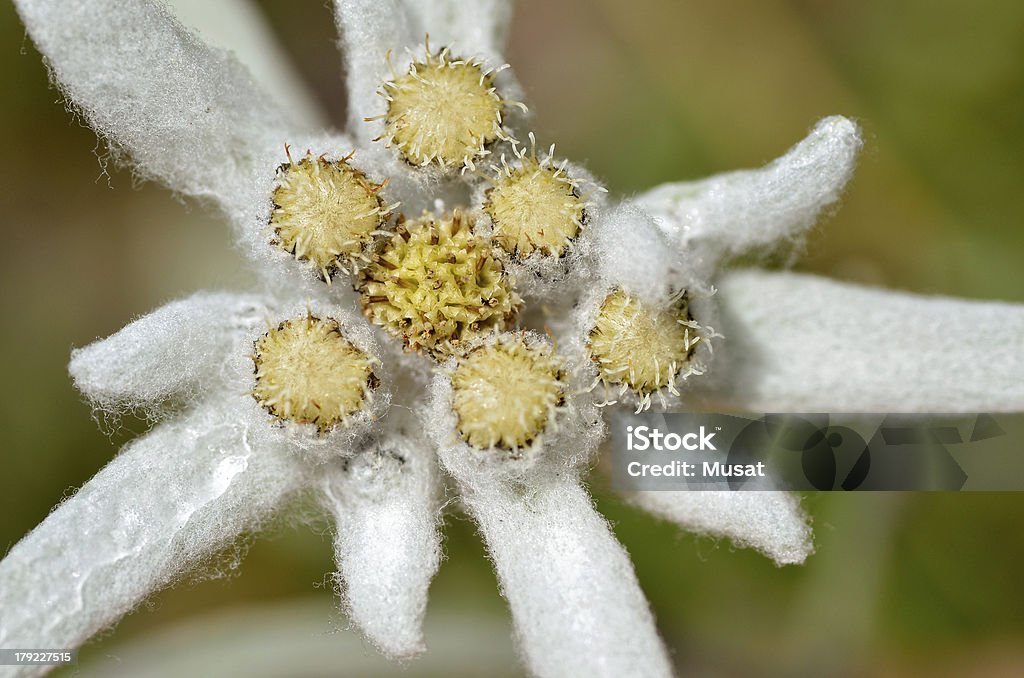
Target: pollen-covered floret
[308,372]
[436,285]
[443,110]
[640,347]
[326,211]
[534,207]
[505,394]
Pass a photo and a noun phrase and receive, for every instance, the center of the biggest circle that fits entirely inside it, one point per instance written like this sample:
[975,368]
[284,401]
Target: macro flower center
[534,207]
[308,372]
[640,347]
[325,211]
[505,394]
[435,285]
[443,110]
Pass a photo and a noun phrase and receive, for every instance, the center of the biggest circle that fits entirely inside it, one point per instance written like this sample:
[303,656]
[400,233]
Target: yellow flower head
[326,211]
[443,110]
[505,394]
[309,373]
[436,286]
[640,347]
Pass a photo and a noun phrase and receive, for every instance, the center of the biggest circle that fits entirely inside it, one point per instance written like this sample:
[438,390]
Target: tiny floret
[436,285]
[640,347]
[326,211]
[534,207]
[507,393]
[308,372]
[443,110]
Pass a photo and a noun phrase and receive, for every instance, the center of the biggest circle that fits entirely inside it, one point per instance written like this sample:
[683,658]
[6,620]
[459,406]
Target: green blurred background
[642,92]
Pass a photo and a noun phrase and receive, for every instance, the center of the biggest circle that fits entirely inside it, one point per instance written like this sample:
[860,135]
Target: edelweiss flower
[451,228]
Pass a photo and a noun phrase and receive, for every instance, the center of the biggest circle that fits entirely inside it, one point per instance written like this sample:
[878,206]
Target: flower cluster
[442,303]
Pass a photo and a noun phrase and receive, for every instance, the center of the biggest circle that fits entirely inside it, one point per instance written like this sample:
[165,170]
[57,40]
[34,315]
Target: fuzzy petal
[576,604]
[770,522]
[168,502]
[730,214]
[189,115]
[386,506]
[799,343]
[479,28]
[177,349]
[369,29]
[634,255]
[241,28]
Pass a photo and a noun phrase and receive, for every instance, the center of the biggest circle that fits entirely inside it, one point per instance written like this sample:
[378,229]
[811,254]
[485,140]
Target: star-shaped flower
[456,234]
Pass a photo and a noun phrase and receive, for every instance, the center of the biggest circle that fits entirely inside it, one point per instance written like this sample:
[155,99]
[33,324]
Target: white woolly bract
[166,504]
[479,27]
[386,506]
[368,30]
[730,214]
[240,27]
[576,604]
[799,343]
[770,522]
[188,114]
[544,278]
[634,255]
[178,350]
[204,344]
[567,442]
